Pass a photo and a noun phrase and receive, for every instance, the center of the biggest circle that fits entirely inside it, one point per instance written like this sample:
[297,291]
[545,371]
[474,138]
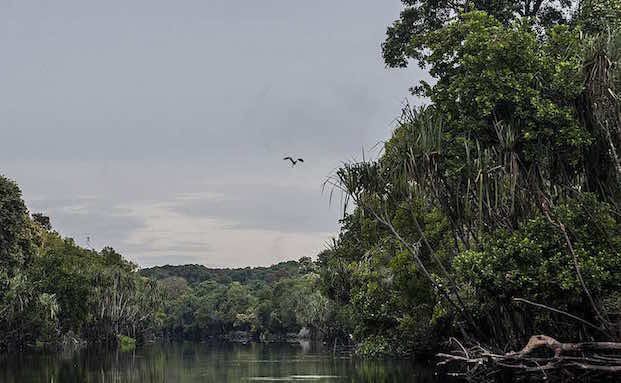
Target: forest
[58,294]
[491,219]
[489,224]
[262,304]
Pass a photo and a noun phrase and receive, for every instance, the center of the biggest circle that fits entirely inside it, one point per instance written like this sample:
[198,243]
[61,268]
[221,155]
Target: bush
[126,343]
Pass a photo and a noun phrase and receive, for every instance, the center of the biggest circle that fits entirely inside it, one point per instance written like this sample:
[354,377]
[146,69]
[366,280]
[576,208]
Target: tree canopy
[503,189]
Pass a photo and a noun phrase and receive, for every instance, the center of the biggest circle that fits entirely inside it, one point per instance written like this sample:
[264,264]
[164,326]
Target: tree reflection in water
[200,362]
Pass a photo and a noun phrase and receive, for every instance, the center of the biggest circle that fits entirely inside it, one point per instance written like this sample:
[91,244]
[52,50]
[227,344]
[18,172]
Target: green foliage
[506,186]
[126,343]
[492,76]
[17,246]
[532,261]
[376,346]
[420,17]
[386,303]
[195,274]
[26,314]
[261,302]
[50,286]
[42,220]
[598,16]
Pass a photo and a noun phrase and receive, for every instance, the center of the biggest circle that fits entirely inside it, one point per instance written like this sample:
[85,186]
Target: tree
[482,198]
[42,220]
[16,239]
[49,286]
[405,38]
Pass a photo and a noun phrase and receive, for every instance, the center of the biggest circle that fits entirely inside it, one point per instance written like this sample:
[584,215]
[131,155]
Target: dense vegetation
[264,303]
[53,291]
[56,293]
[491,215]
[493,212]
[195,274]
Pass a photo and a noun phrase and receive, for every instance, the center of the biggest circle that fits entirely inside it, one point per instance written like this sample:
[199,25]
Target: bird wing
[288,158]
[300,159]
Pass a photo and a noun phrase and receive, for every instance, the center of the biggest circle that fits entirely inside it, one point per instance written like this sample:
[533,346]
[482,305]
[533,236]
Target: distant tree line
[194,274]
[261,303]
[54,292]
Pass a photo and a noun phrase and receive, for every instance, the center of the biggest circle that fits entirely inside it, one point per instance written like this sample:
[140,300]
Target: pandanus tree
[123,304]
[518,150]
[26,314]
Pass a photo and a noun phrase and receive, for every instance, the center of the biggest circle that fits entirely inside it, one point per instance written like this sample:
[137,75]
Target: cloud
[164,136]
[263,206]
[167,232]
[98,219]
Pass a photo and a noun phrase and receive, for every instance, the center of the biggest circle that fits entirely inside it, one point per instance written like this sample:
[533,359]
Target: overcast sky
[158,127]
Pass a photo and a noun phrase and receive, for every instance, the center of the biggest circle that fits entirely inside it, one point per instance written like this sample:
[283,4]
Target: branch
[545,207]
[567,357]
[562,313]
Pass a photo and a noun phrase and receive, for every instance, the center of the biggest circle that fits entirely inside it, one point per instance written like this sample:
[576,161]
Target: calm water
[196,362]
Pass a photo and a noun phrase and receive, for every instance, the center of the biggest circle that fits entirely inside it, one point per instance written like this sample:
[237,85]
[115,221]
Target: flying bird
[293,162]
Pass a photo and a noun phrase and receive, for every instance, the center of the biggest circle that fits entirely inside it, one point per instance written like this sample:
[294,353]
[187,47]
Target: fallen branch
[544,341]
[584,356]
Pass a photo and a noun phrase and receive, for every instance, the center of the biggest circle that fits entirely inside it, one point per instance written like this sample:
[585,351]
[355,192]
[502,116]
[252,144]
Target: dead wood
[596,357]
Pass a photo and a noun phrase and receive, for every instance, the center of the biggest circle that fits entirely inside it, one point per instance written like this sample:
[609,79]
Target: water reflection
[197,362]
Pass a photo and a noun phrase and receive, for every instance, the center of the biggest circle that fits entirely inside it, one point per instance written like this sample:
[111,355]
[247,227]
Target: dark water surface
[198,362]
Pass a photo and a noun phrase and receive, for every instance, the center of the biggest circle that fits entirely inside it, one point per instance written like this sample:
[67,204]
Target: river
[200,362]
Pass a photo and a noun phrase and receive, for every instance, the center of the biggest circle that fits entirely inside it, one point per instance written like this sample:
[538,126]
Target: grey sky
[158,127]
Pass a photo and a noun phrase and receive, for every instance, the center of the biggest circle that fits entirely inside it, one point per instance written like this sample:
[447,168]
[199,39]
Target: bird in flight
[293,162]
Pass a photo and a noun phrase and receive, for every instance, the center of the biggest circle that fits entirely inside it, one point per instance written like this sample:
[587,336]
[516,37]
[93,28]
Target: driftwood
[596,357]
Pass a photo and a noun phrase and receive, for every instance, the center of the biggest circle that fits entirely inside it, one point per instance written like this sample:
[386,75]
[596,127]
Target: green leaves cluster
[267,303]
[405,37]
[53,290]
[489,73]
[505,186]
[50,287]
[533,260]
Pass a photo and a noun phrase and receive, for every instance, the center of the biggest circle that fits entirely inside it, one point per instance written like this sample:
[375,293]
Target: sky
[158,127]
